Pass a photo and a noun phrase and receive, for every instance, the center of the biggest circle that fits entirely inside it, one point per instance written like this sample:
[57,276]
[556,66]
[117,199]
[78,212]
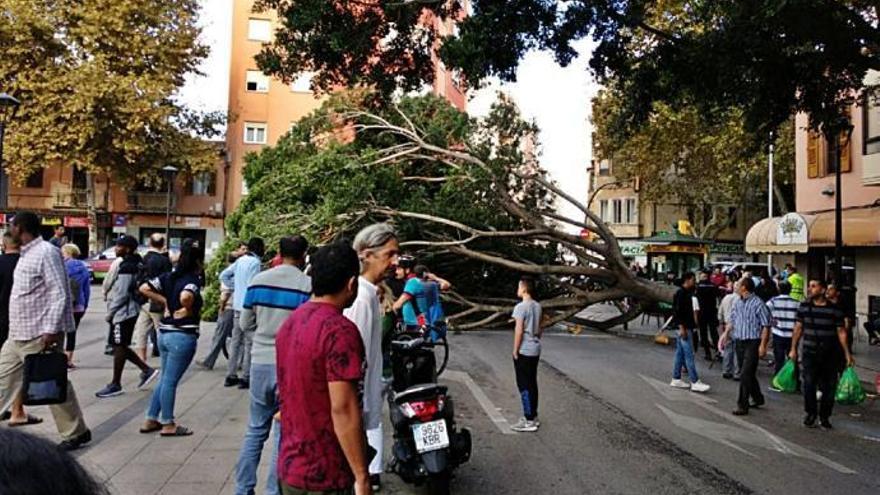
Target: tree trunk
[91,211]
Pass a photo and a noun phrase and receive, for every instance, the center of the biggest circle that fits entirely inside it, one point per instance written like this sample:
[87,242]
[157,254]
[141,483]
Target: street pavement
[610,424]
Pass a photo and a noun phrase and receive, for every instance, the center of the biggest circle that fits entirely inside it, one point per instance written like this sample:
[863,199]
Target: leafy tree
[702,164]
[769,58]
[97,81]
[465,194]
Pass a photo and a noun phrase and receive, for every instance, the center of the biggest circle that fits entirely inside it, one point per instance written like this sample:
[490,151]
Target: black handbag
[45,378]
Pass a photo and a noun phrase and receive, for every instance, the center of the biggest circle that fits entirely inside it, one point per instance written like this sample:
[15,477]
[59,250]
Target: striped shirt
[40,302]
[748,317]
[783,311]
[820,325]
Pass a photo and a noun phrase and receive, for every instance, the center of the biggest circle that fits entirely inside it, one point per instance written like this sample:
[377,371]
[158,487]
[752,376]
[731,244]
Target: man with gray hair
[377,249]
[726,345]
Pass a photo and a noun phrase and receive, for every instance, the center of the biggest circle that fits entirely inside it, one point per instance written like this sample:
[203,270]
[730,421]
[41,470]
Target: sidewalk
[644,327]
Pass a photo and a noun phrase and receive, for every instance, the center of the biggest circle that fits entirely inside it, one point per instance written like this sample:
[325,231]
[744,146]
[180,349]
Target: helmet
[406,261]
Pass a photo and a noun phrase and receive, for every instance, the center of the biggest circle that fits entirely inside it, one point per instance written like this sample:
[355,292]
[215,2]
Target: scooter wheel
[438,484]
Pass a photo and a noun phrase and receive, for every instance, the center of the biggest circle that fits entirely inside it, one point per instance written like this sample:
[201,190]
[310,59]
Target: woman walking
[179,292]
[80,292]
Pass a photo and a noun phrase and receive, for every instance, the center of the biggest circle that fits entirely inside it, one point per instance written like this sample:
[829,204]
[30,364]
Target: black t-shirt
[820,324]
[683,308]
[7,269]
[155,264]
[171,286]
[707,295]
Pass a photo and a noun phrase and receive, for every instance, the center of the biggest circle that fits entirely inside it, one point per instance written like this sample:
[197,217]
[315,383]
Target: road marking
[746,433]
[482,398]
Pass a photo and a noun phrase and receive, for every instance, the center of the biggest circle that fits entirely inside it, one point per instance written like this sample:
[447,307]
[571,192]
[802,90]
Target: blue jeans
[684,355]
[177,351]
[264,405]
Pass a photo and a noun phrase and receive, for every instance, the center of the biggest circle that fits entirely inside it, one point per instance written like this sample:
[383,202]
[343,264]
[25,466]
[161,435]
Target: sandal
[180,431]
[152,428]
[30,420]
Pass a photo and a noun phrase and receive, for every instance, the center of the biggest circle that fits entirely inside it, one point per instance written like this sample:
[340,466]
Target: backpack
[140,279]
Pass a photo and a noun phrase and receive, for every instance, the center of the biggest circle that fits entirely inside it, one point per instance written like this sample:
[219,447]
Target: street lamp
[8,108]
[169,171]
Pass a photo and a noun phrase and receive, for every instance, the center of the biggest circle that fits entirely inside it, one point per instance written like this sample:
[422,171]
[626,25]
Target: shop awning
[796,233]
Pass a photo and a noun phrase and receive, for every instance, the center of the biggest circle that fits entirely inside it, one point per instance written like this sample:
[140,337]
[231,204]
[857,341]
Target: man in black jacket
[707,297]
[156,263]
[684,307]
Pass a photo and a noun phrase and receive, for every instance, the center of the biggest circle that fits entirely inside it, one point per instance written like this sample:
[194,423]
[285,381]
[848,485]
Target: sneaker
[679,383]
[147,377]
[202,364]
[825,424]
[111,390]
[774,388]
[727,376]
[524,425]
[230,381]
[76,442]
[699,387]
[108,350]
[810,421]
[375,482]
[244,384]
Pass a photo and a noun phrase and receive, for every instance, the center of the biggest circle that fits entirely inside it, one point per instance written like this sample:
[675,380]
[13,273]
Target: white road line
[482,398]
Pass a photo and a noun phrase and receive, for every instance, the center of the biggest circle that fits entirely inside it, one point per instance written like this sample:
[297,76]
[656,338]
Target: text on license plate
[431,436]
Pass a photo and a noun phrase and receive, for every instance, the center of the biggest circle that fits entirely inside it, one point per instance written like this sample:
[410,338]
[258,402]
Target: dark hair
[687,276]
[332,267]
[406,261]
[529,284]
[420,271]
[784,288]
[257,246]
[748,284]
[30,464]
[230,258]
[821,282]
[190,259]
[27,222]
[294,247]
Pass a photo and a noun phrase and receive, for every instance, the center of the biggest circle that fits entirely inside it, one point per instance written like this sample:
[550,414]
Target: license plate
[431,436]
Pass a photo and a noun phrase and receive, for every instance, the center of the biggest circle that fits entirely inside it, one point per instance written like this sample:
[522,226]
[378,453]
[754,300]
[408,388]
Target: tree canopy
[97,83]
[769,58]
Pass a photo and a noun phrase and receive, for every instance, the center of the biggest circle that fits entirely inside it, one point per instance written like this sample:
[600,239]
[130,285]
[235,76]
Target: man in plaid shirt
[40,313]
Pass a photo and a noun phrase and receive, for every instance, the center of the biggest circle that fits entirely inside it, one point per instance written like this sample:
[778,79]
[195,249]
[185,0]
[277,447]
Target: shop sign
[728,248]
[792,229]
[120,221]
[193,222]
[632,248]
[676,248]
[76,221]
[51,221]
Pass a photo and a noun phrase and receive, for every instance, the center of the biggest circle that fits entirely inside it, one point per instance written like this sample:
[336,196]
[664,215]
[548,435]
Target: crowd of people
[735,316]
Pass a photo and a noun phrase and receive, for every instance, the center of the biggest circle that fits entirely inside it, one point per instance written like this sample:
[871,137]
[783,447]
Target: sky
[557,99]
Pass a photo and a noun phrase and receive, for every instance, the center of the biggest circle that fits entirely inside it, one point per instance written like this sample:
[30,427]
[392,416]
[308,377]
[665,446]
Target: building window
[822,158]
[631,212]
[254,133]
[79,179]
[257,82]
[244,187]
[303,83]
[202,184]
[617,211]
[871,126]
[259,30]
[35,180]
[604,168]
[603,210]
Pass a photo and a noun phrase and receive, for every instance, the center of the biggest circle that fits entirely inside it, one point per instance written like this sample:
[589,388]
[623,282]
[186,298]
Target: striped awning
[861,228]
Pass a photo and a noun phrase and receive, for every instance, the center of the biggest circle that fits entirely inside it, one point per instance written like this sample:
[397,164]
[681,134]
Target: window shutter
[845,153]
[813,140]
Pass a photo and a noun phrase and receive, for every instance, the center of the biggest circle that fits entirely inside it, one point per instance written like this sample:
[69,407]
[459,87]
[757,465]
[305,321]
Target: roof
[674,238]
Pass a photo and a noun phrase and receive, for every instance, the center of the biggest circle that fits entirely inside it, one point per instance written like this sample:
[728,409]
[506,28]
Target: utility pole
[770,196]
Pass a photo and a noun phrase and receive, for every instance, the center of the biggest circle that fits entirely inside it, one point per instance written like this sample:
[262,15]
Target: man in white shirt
[378,250]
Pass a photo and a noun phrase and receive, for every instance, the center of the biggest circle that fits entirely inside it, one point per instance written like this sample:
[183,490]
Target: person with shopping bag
[821,325]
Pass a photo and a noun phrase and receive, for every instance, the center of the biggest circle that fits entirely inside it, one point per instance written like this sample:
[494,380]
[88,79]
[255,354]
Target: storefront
[671,255]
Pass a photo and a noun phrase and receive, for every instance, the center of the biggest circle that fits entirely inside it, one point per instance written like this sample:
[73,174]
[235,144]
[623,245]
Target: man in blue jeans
[270,298]
[684,309]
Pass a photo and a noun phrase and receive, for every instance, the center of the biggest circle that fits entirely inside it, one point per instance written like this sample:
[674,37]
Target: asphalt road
[611,424]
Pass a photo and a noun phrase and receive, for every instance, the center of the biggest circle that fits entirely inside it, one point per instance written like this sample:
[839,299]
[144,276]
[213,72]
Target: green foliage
[768,58]
[321,181]
[97,82]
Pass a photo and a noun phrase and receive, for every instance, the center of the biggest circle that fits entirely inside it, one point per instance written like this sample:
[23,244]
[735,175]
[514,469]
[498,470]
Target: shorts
[122,332]
[146,321]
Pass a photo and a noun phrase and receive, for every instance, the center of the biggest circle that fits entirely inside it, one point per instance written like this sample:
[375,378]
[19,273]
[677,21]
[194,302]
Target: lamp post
[8,108]
[169,171]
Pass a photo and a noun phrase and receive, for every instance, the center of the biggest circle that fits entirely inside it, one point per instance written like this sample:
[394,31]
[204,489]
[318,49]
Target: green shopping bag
[849,389]
[786,380]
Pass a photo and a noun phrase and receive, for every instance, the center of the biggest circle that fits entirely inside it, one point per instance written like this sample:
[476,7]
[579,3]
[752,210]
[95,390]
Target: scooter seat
[423,389]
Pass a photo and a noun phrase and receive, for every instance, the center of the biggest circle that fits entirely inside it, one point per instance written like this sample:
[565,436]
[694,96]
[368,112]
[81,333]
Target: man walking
[783,314]
[821,324]
[707,297]
[270,299]
[58,239]
[685,318]
[377,249]
[527,353]
[797,283]
[40,313]
[156,263]
[122,314]
[238,276]
[223,330]
[750,320]
[320,359]
[727,346]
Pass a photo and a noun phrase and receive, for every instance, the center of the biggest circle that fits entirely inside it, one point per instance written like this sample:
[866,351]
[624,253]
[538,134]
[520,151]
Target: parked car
[99,265]
[757,269]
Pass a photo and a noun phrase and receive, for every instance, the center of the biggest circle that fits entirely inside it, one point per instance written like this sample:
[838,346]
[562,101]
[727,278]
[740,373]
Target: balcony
[76,199]
[150,202]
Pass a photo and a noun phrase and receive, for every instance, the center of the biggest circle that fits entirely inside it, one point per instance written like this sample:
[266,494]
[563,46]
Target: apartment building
[264,108]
